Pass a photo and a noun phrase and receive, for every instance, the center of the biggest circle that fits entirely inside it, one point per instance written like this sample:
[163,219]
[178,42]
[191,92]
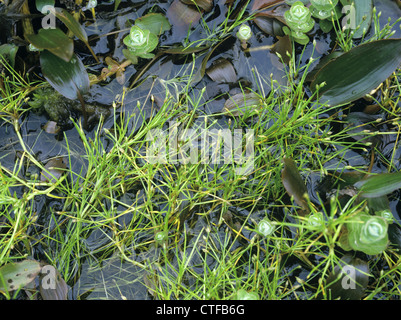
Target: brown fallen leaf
[55,169]
[294,185]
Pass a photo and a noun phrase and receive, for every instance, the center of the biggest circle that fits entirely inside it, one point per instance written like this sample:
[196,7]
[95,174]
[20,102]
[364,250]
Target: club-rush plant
[299,20]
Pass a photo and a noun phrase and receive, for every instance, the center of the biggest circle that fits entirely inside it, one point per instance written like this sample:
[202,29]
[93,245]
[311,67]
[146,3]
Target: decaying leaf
[51,127]
[182,15]
[17,275]
[55,168]
[222,71]
[241,103]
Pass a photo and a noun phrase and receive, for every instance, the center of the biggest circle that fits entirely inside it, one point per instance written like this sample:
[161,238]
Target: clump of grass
[189,230]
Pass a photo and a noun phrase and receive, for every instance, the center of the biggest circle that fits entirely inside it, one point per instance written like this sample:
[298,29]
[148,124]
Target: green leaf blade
[54,40]
[72,24]
[379,185]
[68,78]
[358,71]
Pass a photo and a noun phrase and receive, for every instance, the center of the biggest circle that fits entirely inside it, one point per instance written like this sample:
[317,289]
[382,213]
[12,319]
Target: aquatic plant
[265,227]
[299,20]
[144,36]
[244,34]
[161,237]
[141,42]
[316,220]
[323,9]
[367,233]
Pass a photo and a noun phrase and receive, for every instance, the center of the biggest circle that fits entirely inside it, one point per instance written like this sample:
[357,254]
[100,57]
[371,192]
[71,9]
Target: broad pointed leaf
[52,286]
[68,78]
[54,40]
[379,185]
[358,71]
[222,71]
[73,25]
[349,279]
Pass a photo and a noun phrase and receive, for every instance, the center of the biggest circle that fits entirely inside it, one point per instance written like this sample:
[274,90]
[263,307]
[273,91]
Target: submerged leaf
[52,285]
[349,279]
[55,168]
[283,47]
[206,5]
[241,103]
[185,50]
[269,26]
[222,71]
[262,4]
[358,71]
[293,183]
[156,23]
[271,22]
[182,15]
[51,127]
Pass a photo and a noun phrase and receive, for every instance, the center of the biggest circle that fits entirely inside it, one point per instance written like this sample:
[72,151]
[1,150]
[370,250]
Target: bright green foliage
[161,237]
[144,36]
[244,295]
[141,42]
[300,21]
[323,9]
[368,233]
[244,33]
[265,227]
